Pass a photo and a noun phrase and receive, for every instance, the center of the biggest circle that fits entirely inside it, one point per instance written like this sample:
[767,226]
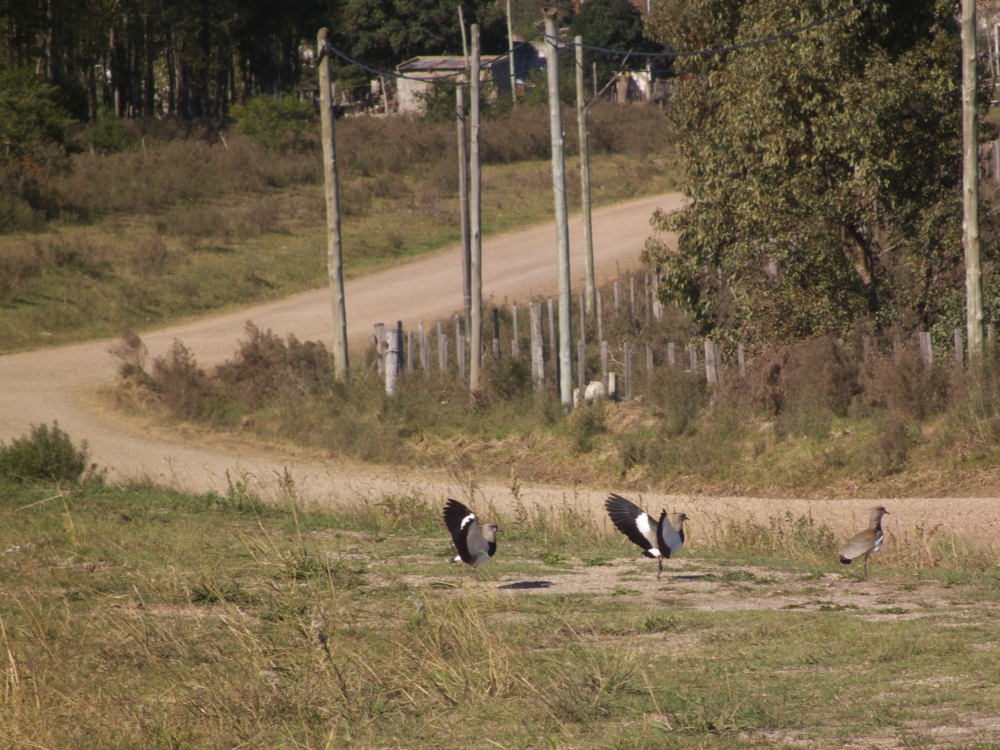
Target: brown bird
[867,542]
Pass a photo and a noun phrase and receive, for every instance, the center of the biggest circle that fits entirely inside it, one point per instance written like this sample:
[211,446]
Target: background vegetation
[824,169]
[133,224]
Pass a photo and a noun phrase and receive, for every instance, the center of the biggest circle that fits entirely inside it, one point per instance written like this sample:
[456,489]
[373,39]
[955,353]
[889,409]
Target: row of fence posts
[706,359]
[926,346]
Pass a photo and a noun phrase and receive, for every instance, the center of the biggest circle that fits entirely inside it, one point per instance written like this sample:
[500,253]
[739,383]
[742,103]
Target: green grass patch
[205,621]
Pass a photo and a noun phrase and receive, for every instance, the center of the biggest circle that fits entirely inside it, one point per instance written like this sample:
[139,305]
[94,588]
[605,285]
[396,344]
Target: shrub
[280,123]
[184,387]
[108,134]
[47,455]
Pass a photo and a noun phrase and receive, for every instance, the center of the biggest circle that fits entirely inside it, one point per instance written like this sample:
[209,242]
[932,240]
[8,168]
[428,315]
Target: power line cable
[731,48]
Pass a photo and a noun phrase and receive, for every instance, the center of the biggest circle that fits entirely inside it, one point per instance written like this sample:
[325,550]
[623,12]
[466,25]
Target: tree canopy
[824,169]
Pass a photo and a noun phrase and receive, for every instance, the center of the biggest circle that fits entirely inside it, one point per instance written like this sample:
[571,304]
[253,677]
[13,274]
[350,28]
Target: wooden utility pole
[463,204]
[513,70]
[588,237]
[970,184]
[475,223]
[335,261]
[562,221]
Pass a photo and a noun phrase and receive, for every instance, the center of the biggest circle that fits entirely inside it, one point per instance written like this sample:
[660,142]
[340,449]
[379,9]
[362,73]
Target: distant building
[422,72]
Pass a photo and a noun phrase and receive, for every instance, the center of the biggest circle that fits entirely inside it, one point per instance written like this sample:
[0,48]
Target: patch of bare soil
[692,584]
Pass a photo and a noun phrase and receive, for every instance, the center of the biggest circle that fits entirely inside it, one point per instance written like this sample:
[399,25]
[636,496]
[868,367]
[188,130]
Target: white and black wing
[635,523]
[462,522]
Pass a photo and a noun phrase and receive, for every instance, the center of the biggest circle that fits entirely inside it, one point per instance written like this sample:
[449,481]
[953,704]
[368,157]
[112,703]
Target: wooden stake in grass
[604,366]
[463,203]
[515,344]
[460,347]
[335,262]
[588,232]
[496,333]
[600,317]
[537,357]
[442,348]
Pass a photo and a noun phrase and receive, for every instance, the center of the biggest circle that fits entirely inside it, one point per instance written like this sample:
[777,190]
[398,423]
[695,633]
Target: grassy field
[193,225]
[138,617]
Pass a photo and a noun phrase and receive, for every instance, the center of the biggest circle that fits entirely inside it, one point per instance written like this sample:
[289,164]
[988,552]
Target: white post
[562,222]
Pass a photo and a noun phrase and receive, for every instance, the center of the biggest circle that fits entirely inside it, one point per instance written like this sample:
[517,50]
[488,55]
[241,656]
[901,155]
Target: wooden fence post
[959,352]
[460,347]
[380,348]
[989,335]
[537,356]
[741,358]
[926,350]
[392,359]
[421,343]
[604,366]
[553,346]
[496,333]
[583,320]
[711,363]
[671,354]
[515,344]
[649,363]
[616,300]
[600,317]
[581,366]
[628,371]
[657,307]
[631,297]
[649,300]
[693,352]
[409,351]
[442,348]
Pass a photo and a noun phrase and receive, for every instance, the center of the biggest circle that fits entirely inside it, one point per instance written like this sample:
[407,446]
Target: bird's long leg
[660,571]
[866,567]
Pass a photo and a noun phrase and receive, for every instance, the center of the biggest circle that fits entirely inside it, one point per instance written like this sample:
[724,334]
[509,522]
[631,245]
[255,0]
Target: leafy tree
[611,24]
[384,33]
[29,112]
[824,169]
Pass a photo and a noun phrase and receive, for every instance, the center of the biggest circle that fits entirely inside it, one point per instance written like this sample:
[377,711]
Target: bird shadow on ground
[522,585]
[686,578]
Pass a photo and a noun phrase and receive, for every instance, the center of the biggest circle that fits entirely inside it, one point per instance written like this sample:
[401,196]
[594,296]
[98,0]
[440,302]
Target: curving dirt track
[62,384]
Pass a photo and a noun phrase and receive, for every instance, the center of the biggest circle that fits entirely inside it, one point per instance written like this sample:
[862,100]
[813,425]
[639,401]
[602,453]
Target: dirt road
[61,384]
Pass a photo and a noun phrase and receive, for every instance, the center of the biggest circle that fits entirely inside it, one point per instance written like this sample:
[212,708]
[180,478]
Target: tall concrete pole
[510,40]
[562,222]
[335,261]
[588,236]
[475,222]
[970,184]
[463,204]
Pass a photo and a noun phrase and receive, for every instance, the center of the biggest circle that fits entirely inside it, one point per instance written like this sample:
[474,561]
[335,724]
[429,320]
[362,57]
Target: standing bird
[476,543]
[867,542]
[660,540]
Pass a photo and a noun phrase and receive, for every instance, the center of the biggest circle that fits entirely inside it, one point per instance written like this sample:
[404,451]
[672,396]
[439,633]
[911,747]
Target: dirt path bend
[60,384]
